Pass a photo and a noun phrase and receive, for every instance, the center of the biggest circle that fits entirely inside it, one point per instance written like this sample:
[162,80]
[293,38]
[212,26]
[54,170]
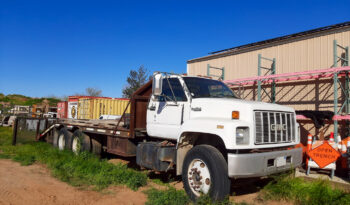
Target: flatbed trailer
[113,136]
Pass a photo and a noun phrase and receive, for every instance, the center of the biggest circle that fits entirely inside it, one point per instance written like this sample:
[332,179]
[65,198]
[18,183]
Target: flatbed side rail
[105,127]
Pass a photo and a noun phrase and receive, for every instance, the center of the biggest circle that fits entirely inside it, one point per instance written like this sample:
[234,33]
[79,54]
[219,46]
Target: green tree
[136,79]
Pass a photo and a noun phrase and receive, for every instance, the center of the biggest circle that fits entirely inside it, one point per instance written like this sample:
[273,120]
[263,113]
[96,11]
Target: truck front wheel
[205,172]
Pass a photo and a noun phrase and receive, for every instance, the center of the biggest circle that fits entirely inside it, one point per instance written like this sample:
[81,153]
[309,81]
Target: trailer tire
[49,137]
[80,142]
[55,133]
[96,147]
[64,137]
[205,172]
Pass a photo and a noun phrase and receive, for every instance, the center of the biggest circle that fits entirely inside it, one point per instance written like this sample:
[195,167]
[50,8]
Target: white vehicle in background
[109,117]
[50,115]
[8,121]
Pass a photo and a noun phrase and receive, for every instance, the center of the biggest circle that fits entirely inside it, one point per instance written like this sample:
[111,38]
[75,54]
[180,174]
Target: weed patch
[301,192]
[206,200]
[82,170]
[171,196]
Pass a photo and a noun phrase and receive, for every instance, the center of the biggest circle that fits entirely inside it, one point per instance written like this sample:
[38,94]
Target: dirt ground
[34,185]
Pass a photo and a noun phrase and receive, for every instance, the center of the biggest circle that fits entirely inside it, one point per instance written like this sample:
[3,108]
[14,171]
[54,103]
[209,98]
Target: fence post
[14,132]
[37,130]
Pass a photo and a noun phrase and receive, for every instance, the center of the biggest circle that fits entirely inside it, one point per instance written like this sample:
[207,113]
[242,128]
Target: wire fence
[29,129]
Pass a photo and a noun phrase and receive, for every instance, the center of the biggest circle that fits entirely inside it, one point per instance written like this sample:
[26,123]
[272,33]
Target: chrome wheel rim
[61,142]
[199,177]
[76,145]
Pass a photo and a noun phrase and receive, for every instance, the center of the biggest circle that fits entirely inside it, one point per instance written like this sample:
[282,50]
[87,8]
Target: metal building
[311,50]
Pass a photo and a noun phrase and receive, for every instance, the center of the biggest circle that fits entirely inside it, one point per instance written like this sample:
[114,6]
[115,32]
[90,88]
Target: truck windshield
[207,88]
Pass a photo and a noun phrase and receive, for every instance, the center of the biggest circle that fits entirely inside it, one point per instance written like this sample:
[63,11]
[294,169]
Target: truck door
[165,113]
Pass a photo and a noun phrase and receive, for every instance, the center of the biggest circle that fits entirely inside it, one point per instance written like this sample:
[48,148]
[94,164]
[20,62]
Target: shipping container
[62,109]
[73,104]
[93,108]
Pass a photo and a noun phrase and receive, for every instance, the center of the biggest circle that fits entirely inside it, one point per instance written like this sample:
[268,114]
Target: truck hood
[223,107]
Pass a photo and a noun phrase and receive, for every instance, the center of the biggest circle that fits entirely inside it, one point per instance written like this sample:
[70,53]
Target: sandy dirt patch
[33,185]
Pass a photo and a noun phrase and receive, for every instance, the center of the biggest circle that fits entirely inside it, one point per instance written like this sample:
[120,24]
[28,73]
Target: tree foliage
[95,92]
[136,79]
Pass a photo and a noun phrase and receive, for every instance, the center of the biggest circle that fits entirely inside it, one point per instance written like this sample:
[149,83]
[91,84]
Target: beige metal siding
[292,56]
[304,54]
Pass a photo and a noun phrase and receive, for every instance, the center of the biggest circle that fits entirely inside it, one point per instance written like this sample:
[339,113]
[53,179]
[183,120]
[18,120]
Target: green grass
[299,191]
[206,200]
[170,196]
[5,136]
[82,170]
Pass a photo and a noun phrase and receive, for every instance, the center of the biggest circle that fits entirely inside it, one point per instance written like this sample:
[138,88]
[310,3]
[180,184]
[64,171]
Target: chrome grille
[274,127]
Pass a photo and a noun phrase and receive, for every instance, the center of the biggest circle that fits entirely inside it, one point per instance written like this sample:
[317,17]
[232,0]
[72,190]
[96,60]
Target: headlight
[242,135]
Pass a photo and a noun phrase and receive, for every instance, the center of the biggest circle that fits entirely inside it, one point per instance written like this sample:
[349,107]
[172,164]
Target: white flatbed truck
[197,127]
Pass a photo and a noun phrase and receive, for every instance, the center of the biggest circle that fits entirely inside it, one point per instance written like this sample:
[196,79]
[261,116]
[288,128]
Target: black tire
[64,137]
[55,133]
[96,147]
[219,183]
[83,140]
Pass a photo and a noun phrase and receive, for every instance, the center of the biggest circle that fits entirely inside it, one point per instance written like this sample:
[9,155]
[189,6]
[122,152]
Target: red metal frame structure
[334,73]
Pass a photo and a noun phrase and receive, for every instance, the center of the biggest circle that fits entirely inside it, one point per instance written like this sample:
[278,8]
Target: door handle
[196,109]
[152,108]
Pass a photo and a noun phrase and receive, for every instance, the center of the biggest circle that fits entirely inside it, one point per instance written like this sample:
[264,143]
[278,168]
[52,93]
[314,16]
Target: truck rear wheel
[64,137]
[55,133]
[96,147]
[80,142]
[205,172]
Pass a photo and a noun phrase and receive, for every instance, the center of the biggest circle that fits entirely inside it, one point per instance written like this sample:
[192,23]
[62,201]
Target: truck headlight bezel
[242,135]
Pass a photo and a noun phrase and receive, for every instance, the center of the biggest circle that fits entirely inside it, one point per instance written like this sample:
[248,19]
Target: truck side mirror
[157,84]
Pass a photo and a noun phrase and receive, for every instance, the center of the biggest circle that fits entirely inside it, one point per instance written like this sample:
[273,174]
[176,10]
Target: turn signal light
[235,115]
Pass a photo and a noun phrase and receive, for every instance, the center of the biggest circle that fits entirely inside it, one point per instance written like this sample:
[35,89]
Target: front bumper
[262,164]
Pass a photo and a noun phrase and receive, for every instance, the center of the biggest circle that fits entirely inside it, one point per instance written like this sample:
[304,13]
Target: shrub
[301,192]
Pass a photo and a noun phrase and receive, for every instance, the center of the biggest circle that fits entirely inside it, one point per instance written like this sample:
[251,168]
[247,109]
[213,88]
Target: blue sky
[62,47]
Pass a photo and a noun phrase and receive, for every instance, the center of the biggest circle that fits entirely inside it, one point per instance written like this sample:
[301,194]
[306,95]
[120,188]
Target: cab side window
[177,89]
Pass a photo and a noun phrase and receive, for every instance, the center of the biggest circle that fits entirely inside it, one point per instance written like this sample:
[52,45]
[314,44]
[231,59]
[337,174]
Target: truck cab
[218,135]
